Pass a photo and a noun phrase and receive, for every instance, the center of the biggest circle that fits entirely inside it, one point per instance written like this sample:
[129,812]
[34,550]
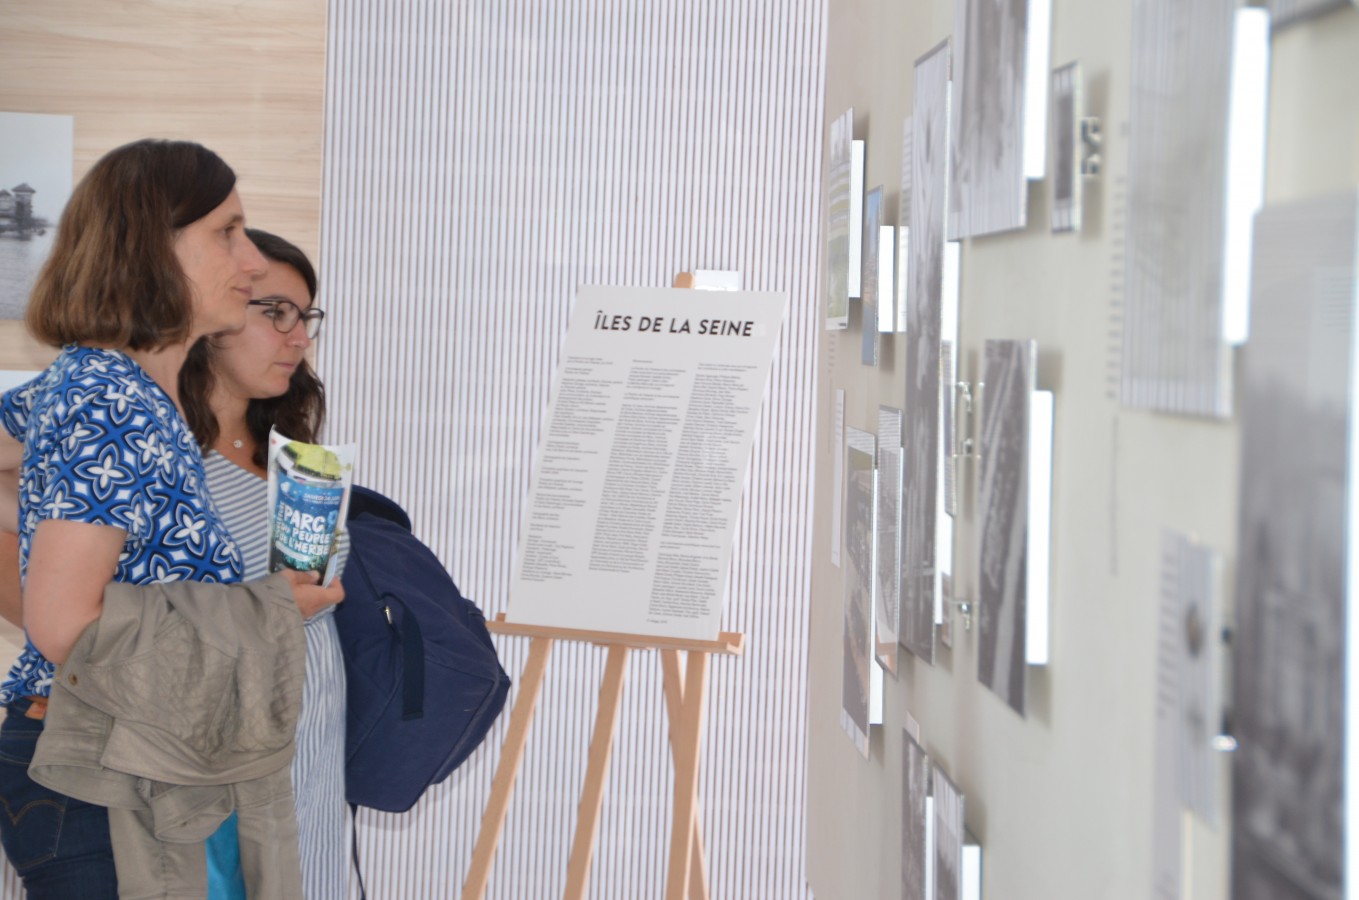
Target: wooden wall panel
[243,78]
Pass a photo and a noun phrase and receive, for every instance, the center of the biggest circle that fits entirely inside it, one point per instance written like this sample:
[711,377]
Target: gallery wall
[1061,800]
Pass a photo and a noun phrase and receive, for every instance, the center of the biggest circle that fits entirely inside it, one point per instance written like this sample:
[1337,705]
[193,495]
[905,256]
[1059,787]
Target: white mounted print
[1000,132]
[872,288]
[838,219]
[1015,447]
[862,688]
[1295,684]
[888,565]
[916,830]
[1195,175]
[1068,106]
[921,572]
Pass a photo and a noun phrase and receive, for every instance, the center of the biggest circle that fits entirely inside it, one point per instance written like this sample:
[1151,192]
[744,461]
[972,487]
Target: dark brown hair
[298,413]
[112,277]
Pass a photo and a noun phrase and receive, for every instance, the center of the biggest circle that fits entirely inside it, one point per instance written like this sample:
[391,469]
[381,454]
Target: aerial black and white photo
[1174,357]
[988,188]
[840,154]
[1188,712]
[1003,513]
[1191,586]
[1295,540]
[919,568]
[1067,105]
[915,809]
[888,563]
[903,255]
[35,183]
[948,837]
[872,290]
[860,538]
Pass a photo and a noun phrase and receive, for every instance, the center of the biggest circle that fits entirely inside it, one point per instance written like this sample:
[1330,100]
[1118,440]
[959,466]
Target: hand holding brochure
[308,501]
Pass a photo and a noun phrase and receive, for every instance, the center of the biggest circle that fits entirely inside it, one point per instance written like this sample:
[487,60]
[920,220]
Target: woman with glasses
[235,387]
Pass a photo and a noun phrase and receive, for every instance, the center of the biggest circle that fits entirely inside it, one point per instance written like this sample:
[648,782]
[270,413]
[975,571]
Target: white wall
[482,161]
[1061,801]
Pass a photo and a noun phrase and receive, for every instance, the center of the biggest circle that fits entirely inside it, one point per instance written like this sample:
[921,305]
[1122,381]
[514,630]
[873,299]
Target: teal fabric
[225,881]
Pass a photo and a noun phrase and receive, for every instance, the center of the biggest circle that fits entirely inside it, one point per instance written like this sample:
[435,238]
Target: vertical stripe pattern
[1174,358]
[482,161]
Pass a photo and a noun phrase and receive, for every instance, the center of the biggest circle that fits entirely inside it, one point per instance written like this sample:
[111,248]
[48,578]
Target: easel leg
[672,679]
[507,771]
[686,739]
[592,796]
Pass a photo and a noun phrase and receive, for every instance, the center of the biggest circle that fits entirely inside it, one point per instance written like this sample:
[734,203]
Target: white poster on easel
[642,459]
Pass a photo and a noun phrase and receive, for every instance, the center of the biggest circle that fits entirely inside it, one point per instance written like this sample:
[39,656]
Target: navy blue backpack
[424,681]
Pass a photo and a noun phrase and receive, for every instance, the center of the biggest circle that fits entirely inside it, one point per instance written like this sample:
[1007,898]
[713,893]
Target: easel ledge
[728,642]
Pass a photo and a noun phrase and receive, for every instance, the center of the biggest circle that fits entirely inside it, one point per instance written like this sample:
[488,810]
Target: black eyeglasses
[285,313]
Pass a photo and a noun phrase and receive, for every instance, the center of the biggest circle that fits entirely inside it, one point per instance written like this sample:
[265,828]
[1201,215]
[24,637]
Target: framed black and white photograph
[888,564]
[840,153]
[861,697]
[1191,593]
[1068,105]
[949,834]
[1009,373]
[920,572]
[1195,179]
[1000,129]
[872,290]
[1293,834]
[903,254]
[916,832]
[36,163]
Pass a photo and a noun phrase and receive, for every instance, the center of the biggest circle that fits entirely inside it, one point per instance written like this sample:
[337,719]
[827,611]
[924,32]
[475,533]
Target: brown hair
[112,277]
[298,413]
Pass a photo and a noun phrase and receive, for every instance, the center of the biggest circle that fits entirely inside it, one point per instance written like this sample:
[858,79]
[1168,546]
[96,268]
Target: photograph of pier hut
[35,182]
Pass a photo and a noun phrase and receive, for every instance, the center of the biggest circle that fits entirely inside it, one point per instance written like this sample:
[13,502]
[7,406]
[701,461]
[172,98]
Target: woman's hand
[311,597]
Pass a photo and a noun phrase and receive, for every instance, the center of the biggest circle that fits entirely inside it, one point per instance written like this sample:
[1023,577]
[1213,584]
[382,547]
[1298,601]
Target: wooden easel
[685,684]
[685,687]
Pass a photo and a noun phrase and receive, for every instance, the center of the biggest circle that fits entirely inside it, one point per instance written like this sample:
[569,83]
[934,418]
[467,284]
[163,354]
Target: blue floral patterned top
[104,444]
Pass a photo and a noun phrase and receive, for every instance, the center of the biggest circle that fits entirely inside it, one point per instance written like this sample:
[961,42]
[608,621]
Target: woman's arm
[69,564]
[11,457]
[11,608]
[9,537]
[11,452]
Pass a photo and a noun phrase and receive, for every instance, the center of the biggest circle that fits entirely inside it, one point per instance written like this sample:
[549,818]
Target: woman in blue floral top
[151,254]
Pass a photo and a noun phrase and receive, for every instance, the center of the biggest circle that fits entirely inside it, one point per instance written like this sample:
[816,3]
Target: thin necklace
[238,444]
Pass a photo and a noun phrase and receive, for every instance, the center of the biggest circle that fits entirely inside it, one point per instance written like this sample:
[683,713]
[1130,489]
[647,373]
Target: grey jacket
[178,705]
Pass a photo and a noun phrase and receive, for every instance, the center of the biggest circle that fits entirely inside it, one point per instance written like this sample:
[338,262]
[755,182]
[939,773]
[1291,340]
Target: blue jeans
[60,846]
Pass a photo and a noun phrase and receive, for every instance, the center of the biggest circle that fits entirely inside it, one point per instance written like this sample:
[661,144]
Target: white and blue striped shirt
[242,500]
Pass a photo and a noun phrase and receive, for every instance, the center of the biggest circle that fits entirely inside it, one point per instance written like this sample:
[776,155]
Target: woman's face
[258,361]
[220,263]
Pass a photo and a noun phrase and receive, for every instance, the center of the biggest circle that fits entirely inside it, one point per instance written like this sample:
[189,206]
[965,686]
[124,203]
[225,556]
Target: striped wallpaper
[481,162]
